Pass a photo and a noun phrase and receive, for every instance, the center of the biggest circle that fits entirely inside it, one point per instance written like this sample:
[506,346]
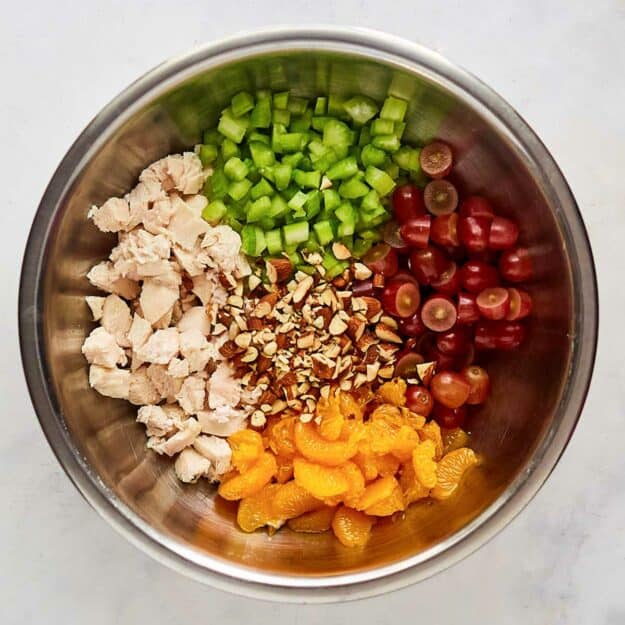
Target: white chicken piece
[165,321]
[222,421]
[223,388]
[166,385]
[192,394]
[157,218]
[195,319]
[178,171]
[178,368]
[96,304]
[197,203]
[104,276]
[157,300]
[217,451]
[187,433]
[185,227]
[157,422]
[224,246]
[175,412]
[116,319]
[140,200]
[137,249]
[191,466]
[194,261]
[195,349]
[142,390]
[161,347]
[140,331]
[208,288]
[110,382]
[101,348]
[112,216]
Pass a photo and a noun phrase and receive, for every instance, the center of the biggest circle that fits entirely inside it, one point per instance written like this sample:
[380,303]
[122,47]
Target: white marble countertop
[562,561]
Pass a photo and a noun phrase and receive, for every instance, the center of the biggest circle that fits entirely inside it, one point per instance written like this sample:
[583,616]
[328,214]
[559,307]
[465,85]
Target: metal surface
[522,430]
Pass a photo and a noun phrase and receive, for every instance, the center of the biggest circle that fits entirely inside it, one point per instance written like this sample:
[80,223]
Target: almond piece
[372,371]
[278,406]
[323,367]
[386,373]
[252,282]
[278,269]
[389,321]
[235,300]
[366,341]
[263,363]
[385,333]
[306,341]
[258,419]
[374,307]
[355,328]
[229,349]
[255,324]
[243,340]
[361,271]
[340,251]
[378,280]
[425,371]
[288,379]
[302,289]
[270,348]
[337,326]
[251,354]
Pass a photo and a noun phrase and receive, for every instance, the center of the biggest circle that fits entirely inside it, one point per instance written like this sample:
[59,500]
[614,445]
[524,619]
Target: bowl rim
[276,586]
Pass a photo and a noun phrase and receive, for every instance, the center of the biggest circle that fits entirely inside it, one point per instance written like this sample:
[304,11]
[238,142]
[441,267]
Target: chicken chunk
[217,451]
[140,331]
[106,277]
[101,348]
[112,216]
[166,385]
[195,318]
[223,388]
[194,261]
[161,347]
[138,249]
[142,390]
[96,304]
[191,466]
[195,349]
[157,218]
[197,203]
[178,368]
[141,198]
[222,421]
[157,422]
[186,434]
[157,300]
[224,246]
[185,227]
[110,382]
[192,394]
[208,288]
[178,171]
[116,319]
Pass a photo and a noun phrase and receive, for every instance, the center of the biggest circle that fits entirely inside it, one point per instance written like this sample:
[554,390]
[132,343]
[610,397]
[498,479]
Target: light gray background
[561,64]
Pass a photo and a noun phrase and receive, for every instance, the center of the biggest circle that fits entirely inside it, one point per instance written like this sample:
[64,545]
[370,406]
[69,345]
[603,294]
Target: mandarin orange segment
[367,464]
[412,489]
[250,482]
[454,439]
[313,522]
[406,439]
[377,491]
[387,412]
[432,431]
[319,480]
[424,464]
[247,446]
[350,408]
[386,464]
[280,435]
[291,500]
[393,392]
[316,448]
[451,469]
[393,503]
[414,420]
[285,469]
[256,510]
[351,527]
[356,483]
[331,418]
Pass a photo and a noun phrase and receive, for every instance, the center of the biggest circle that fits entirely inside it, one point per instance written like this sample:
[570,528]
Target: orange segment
[285,469]
[313,522]
[451,470]
[350,408]
[356,482]
[331,418]
[432,431]
[251,481]
[393,392]
[351,527]
[414,420]
[280,435]
[393,503]
[316,448]
[454,439]
[423,463]
[256,510]
[377,491]
[291,500]
[386,465]
[247,446]
[411,488]
[320,481]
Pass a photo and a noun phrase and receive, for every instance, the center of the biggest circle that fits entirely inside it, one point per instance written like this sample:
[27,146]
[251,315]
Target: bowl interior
[527,385]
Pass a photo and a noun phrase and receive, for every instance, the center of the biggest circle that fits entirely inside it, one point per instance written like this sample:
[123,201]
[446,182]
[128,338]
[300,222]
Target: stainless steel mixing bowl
[538,392]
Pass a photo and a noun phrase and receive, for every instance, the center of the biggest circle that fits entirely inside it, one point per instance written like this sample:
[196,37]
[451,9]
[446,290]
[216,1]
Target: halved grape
[438,313]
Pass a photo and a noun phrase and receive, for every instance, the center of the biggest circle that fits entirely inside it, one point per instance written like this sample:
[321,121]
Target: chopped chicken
[140,200]
[195,349]
[112,216]
[185,227]
[178,368]
[106,277]
[192,394]
[195,318]
[222,421]
[167,385]
[161,347]
[224,244]
[157,300]
[208,288]
[194,261]
[223,388]
[187,433]
[157,421]
[110,382]
[142,390]
[217,451]
[175,412]
[164,322]
[140,331]
[137,249]
[197,203]
[101,348]
[96,304]
[191,466]
[157,218]
[116,319]
[179,171]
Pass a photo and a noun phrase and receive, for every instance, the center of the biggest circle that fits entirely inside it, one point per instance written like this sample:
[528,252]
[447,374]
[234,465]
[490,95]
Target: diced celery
[371,201]
[331,199]
[267,223]
[281,117]
[217,185]
[321,105]
[309,269]
[281,100]
[259,137]
[295,233]
[208,153]
[313,204]
[235,168]
[258,209]
[242,103]
[353,188]
[232,127]
[290,142]
[260,189]
[282,176]
[370,235]
[336,270]
[263,94]
[307,179]
[361,109]
[262,154]
[319,123]
[312,244]
[343,169]
[388,143]
[214,212]
[379,180]
[337,134]
[212,136]
[273,240]
[392,169]
[293,256]
[293,160]
[394,109]
[361,247]
[252,240]
[382,127]
[372,156]
[279,207]
[324,232]
[233,222]
[346,228]
[301,123]
[336,105]
[229,149]
[239,189]
[398,129]
[365,136]
[345,212]
[407,158]
[296,105]
[298,200]
[260,117]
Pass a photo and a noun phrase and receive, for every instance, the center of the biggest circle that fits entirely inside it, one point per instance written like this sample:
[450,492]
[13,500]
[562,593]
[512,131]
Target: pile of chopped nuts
[295,341]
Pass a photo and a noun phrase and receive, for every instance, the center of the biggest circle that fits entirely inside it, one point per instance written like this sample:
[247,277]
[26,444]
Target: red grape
[494,302]
[448,418]
[361,288]
[454,342]
[404,276]
[419,400]
[499,334]
[476,206]
[516,265]
[438,313]
[406,366]
[478,381]
[468,311]
[440,197]
[401,298]
[473,233]
[449,281]
[476,275]
[436,159]
[412,326]
[444,230]
[382,259]
[520,304]
[503,233]
[391,236]
[450,389]
[408,203]
[428,264]
[416,232]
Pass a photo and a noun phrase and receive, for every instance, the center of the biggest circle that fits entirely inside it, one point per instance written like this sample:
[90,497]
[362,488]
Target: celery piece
[273,240]
[321,105]
[343,169]
[313,204]
[371,201]
[319,123]
[214,212]
[331,199]
[372,156]
[361,109]
[290,142]
[242,103]
[263,94]
[307,179]
[382,127]
[235,168]
[398,129]
[260,189]
[281,100]
[370,235]
[346,228]
[267,223]
[392,169]
[388,143]
[232,127]
[217,185]
[379,180]
[336,270]
[260,117]
[295,233]
[208,153]
[258,209]
[345,212]
[296,105]
[361,247]
[312,244]
[280,116]
[252,240]
[407,158]
[212,136]
[234,223]
[336,105]
[292,160]
[337,134]
[279,207]
[282,176]
[365,136]
[353,188]
[394,109]
[324,232]
[301,123]
[229,149]
[239,189]
[298,200]
[262,154]
[259,137]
